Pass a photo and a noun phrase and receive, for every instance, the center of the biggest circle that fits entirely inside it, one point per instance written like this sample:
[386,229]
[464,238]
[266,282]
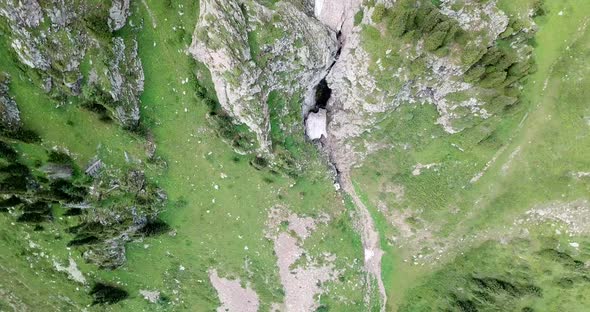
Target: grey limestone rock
[296,54]
[9,113]
[118,14]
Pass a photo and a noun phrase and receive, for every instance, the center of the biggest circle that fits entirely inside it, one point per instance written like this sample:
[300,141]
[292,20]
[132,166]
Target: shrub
[507,33]
[23,135]
[32,217]
[65,190]
[154,227]
[492,56]
[493,80]
[378,13]
[10,202]
[435,40]
[107,294]
[16,169]
[61,158]
[7,152]
[259,163]
[452,33]
[358,17]
[474,73]
[430,21]
[471,54]
[98,23]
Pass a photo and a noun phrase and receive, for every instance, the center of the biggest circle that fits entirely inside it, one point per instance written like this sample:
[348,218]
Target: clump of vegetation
[36,213]
[154,227]
[100,110]
[58,157]
[10,202]
[489,279]
[358,17]
[130,207]
[378,13]
[413,21]
[7,152]
[107,294]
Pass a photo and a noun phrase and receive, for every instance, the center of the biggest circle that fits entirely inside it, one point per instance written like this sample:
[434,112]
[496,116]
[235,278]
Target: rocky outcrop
[302,282]
[55,37]
[252,50]
[125,81]
[232,295]
[350,82]
[337,14]
[118,14]
[51,46]
[367,85]
[9,113]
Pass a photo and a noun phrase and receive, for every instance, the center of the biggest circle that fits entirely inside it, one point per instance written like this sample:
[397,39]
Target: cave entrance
[322,95]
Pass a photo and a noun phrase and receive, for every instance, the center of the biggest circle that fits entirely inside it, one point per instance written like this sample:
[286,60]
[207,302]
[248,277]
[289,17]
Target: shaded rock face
[55,37]
[294,54]
[9,113]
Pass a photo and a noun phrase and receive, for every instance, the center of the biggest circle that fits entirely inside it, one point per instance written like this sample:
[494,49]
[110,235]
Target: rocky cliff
[54,38]
[252,50]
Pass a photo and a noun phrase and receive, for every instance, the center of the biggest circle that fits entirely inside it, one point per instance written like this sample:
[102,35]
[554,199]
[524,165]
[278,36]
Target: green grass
[213,225]
[535,273]
[552,143]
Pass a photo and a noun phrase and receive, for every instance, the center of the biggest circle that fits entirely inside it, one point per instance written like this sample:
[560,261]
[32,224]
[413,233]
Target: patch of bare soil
[233,297]
[72,270]
[302,282]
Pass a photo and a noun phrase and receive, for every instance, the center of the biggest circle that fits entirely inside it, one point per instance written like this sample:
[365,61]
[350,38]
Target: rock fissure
[316,117]
[317,122]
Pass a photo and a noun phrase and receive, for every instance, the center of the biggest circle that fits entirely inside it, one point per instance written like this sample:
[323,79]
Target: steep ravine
[338,15]
[248,62]
[364,222]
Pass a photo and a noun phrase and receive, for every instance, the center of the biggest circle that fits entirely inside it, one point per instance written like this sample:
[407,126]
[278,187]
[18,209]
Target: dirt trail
[154,24]
[370,238]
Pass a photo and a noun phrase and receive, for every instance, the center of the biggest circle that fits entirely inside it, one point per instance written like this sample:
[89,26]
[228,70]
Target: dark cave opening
[322,95]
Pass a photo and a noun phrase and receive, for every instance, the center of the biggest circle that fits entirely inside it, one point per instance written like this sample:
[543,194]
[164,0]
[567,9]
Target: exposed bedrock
[9,113]
[294,52]
[55,37]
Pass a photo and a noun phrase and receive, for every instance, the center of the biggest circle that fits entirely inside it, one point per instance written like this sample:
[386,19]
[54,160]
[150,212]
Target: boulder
[9,113]
[315,125]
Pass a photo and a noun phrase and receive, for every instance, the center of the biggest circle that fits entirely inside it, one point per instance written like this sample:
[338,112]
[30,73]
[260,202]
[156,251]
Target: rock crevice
[252,50]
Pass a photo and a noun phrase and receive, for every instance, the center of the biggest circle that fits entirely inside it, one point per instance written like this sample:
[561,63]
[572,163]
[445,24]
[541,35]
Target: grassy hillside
[481,180]
[218,202]
[472,221]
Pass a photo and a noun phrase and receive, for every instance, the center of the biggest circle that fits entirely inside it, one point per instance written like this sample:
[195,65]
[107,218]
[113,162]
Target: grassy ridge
[546,147]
